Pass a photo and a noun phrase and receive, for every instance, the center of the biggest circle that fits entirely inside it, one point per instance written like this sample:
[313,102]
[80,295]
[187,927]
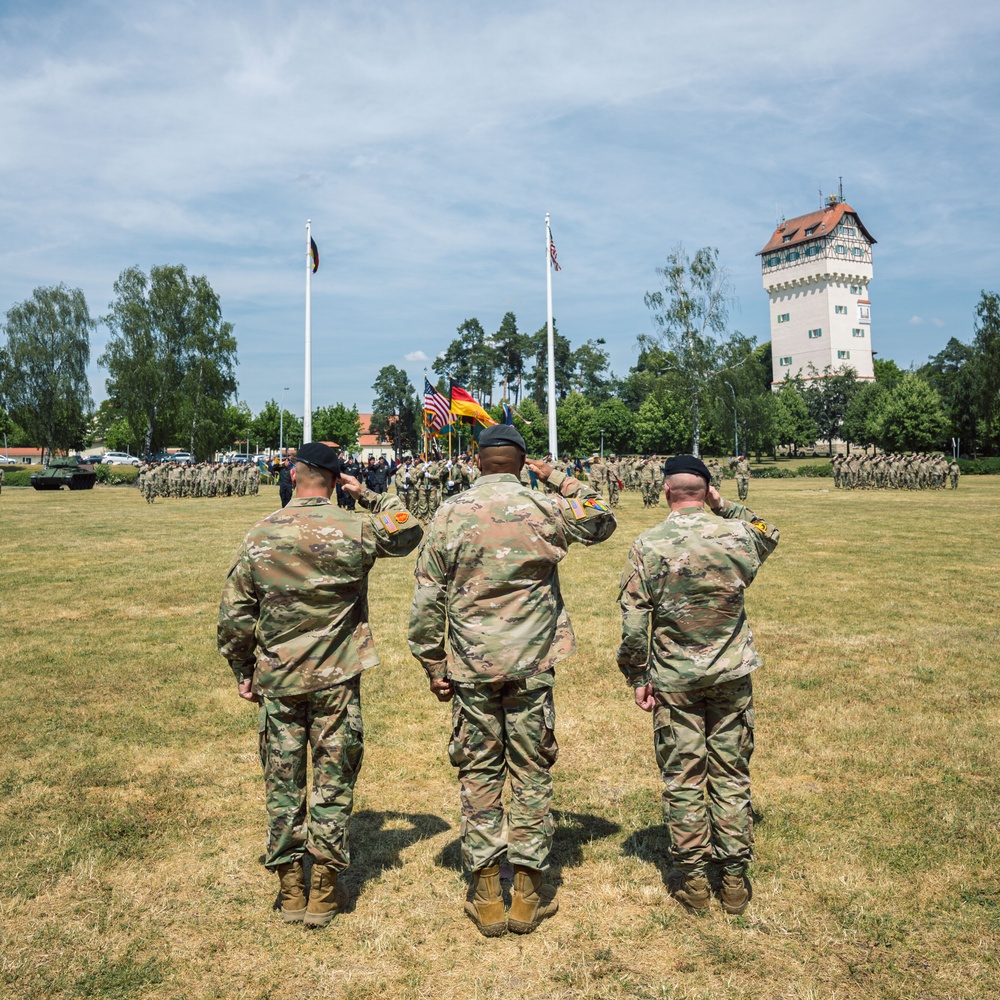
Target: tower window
[857,289]
[785,361]
[844,355]
[771,261]
[815,334]
[857,252]
[857,332]
[812,251]
[792,255]
[840,248]
[849,230]
[782,317]
[840,310]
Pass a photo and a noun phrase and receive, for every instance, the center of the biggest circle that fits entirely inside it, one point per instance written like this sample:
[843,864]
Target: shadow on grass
[377,846]
[573,832]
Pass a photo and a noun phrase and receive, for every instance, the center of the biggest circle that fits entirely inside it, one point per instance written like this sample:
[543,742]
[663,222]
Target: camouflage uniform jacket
[487,578]
[294,610]
[684,626]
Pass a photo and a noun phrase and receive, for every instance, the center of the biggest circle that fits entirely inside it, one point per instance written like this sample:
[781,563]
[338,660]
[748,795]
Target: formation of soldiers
[423,482]
[206,479]
[913,471]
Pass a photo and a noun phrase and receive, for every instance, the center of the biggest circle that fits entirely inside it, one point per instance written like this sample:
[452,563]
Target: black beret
[320,455]
[689,465]
[499,434]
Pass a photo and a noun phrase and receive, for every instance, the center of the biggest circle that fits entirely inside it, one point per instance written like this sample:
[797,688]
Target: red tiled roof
[813,226]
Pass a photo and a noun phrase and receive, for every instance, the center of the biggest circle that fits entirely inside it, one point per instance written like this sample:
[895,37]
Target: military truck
[65,472]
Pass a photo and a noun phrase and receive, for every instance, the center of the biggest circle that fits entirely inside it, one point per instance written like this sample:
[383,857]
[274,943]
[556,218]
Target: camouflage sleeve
[637,610]
[239,610]
[765,537]
[429,613]
[586,518]
[395,531]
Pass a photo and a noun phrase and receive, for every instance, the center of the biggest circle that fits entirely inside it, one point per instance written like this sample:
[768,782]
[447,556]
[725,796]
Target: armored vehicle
[65,472]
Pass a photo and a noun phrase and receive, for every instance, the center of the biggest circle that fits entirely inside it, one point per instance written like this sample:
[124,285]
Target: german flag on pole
[463,405]
[314,254]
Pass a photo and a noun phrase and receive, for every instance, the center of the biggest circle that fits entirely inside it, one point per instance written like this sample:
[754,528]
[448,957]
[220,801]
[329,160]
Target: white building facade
[816,270]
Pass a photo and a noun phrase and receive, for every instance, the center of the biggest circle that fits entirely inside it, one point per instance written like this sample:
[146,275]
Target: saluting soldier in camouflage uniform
[293,623]
[487,578]
[742,468]
[614,481]
[688,652]
[647,482]
[598,474]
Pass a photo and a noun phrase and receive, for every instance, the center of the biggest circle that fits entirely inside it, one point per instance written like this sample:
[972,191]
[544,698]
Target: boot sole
[319,919]
[735,911]
[527,926]
[293,916]
[487,930]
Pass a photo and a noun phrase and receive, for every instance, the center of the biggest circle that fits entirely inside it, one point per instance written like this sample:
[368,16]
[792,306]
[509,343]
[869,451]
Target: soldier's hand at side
[541,469]
[714,498]
[350,485]
[442,688]
[245,691]
[644,697]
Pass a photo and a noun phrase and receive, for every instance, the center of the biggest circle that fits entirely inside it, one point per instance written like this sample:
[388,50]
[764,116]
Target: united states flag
[552,252]
[437,409]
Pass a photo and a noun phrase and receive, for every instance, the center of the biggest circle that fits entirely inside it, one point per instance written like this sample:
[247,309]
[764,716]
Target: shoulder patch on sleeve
[402,516]
[388,523]
[760,526]
[574,505]
[597,505]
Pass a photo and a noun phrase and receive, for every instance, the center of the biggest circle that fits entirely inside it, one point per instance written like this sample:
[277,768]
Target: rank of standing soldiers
[206,479]
[913,471]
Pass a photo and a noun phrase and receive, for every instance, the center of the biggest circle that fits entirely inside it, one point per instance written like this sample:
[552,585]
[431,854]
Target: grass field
[131,804]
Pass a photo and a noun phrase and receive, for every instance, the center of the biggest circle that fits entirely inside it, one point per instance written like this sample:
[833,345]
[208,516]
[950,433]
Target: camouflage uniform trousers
[742,487]
[648,493]
[613,492]
[328,721]
[503,729]
[704,741]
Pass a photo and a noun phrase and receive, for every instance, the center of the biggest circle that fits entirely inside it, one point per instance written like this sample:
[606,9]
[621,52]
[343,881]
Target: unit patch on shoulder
[402,516]
[574,505]
[760,526]
[597,505]
[388,523]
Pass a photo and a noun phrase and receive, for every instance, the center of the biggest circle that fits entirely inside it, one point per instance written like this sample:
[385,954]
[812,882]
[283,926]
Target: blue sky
[427,140]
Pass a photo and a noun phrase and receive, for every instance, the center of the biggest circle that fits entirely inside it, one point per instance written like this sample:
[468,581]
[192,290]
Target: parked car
[4,460]
[182,458]
[119,458]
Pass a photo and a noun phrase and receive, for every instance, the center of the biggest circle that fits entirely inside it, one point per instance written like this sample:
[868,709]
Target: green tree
[663,424]
[986,368]
[533,426]
[397,413]
[618,423]
[692,315]
[911,418]
[44,380]
[171,358]
[591,363]
[510,347]
[828,394]
[236,432]
[952,373]
[471,360]
[538,380]
[793,426]
[865,412]
[268,429]
[338,423]
[887,372]
[575,424]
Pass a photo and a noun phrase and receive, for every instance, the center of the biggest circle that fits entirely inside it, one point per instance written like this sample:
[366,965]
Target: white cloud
[916,321]
[416,356]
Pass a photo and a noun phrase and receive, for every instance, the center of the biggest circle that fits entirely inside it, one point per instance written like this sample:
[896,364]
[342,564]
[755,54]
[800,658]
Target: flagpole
[553,439]
[307,420]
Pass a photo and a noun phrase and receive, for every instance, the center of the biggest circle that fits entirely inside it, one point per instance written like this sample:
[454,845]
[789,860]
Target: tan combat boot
[484,904]
[692,892]
[292,893]
[531,901]
[735,894]
[326,897]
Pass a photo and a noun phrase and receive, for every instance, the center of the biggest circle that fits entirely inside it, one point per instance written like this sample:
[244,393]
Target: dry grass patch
[131,816]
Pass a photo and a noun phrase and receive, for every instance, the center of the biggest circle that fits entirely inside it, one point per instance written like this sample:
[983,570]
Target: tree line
[696,383]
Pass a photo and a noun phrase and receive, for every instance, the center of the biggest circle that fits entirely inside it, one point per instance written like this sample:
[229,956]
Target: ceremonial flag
[552,252]
[508,415]
[464,405]
[314,255]
[437,412]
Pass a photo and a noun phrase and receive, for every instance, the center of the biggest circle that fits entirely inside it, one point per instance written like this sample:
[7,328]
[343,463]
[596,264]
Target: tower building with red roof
[816,270]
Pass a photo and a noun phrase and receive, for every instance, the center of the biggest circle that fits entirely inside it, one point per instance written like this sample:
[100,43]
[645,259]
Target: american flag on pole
[552,252]
[437,409]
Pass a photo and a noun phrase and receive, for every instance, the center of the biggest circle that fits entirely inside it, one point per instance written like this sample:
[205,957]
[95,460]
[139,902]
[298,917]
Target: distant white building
[816,270]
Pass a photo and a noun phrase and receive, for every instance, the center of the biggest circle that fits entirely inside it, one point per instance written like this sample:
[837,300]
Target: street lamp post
[281,426]
[602,444]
